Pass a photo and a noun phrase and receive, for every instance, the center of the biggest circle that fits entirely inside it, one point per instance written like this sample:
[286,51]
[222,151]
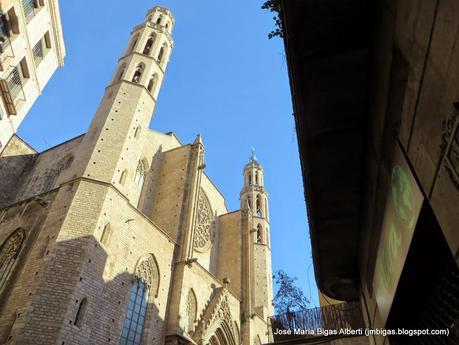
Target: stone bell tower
[116,135]
[255,197]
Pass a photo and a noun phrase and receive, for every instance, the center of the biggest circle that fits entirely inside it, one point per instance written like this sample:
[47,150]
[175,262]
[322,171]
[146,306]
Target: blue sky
[225,80]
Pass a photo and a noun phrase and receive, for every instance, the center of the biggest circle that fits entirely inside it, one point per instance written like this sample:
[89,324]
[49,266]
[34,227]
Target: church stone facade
[119,237]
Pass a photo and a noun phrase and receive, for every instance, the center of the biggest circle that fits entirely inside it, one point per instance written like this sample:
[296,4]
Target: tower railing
[312,322]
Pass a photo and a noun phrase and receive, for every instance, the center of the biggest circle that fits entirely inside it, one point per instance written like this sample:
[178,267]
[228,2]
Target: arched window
[250,178]
[258,205]
[148,45]
[259,234]
[106,234]
[80,313]
[137,74]
[256,177]
[123,176]
[152,82]
[9,252]
[167,25]
[159,19]
[121,72]
[137,132]
[161,54]
[146,281]
[191,310]
[249,201]
[134,42]
[140,173]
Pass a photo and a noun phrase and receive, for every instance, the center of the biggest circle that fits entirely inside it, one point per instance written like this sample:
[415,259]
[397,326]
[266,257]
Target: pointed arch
[134,43]
[147,271]
[146,281]
[149,44]
[260,237]
[250,178]
[137,131]
[159,19]
[137,77]
[121,71]
[191,311]
[140,172]
[152,82]
[256,178]
[162,53]
[259,206]
[79,316]
[123,177]
[106,234]
[9,252]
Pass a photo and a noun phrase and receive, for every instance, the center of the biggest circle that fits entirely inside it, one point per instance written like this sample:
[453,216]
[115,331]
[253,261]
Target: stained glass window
[135,317]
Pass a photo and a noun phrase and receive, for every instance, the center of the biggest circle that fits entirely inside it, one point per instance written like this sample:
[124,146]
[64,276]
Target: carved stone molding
[148,273]
[203,224]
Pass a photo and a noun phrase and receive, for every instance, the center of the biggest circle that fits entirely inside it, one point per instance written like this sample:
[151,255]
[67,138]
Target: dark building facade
[375,90]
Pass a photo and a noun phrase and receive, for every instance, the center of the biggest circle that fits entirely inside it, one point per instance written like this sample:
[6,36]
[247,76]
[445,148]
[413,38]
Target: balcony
[312,325]
[13,92]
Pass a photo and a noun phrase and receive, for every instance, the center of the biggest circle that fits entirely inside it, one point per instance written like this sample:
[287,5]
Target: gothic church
[118,236]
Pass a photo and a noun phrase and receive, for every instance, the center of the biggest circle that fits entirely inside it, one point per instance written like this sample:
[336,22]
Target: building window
[11,87]
[152,82]
[161,54]
[256,178]
[191,310]
[37,52]
[250,178]
[137,74]
[9,252]
[106,234]
[41,48]
[137,132]
[123,177]
[259,234]
[135,317]
[258,205]
[80,313]
[146,281]
[14,83]
[12,22]
[134,42]
[149,45]
[140,173]
[122,69]
[159,19]
[30,8]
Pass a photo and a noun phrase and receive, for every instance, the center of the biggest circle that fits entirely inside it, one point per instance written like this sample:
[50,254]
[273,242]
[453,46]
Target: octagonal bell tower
[112,147]
[255,197]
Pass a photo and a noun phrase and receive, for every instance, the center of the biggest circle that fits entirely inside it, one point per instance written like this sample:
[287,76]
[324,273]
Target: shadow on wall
[68,301]
[12,171]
